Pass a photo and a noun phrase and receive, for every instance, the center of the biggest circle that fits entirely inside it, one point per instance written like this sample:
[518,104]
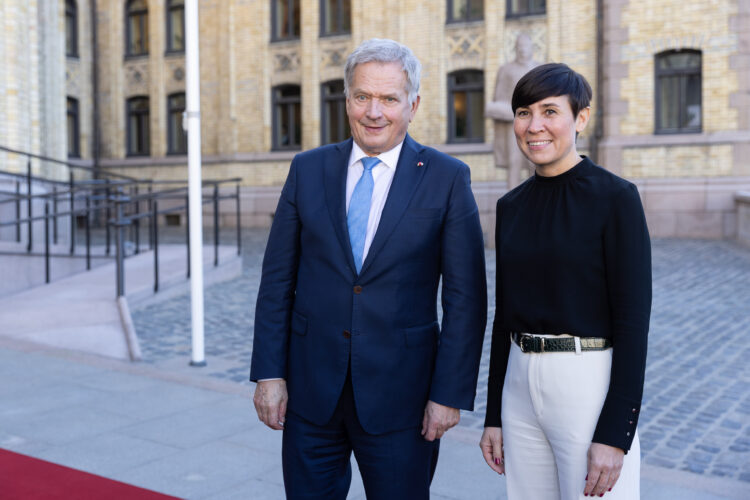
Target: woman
[572,312]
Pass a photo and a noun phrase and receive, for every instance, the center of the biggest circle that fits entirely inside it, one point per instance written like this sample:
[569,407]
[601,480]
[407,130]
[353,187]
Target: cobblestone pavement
[696,411]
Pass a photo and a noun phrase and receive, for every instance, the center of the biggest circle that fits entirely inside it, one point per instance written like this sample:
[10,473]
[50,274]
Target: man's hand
[438,419]
[605,464]
[492,448]
[270,402]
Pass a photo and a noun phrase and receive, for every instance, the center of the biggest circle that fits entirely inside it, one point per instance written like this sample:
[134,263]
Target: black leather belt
[533,343]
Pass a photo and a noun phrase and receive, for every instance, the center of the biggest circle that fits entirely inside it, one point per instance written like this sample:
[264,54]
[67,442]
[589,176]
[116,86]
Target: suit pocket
[299,323]
[424,213]
[421,336]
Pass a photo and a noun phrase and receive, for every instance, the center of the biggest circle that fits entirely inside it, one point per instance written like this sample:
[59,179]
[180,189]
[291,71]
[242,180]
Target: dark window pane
[138,126]
[476,115]
[460,110]
[678,92]
[692,95]
[670,102]
[72,127]
[176,27]
[287,125]
[334,120]
[71,29]
[346,16]
[177,140]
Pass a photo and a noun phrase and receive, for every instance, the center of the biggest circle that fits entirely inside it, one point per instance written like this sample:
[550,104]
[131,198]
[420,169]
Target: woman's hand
[492,448]
[605,464]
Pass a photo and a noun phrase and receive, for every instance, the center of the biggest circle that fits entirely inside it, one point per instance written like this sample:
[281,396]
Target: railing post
[119,250]
[71,186]
[108,212]
[54,215]
[18,211]
[155,238]
[239,226]
[187,233]
[150,209]
[46,242]
[216,224]
[29,204]
[88,231]
[137,222]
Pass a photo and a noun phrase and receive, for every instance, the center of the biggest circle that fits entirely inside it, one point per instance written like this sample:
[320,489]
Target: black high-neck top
[574,256]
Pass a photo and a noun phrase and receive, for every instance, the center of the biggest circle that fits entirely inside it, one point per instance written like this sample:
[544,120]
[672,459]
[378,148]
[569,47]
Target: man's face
[378,106]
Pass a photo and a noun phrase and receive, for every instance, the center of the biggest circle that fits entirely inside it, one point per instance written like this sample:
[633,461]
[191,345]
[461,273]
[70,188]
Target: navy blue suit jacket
[314,312]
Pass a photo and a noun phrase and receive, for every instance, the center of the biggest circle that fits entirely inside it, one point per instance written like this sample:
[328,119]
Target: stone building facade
[681,133]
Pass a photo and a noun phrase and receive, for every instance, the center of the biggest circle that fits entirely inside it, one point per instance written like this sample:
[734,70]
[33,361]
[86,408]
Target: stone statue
[507,154]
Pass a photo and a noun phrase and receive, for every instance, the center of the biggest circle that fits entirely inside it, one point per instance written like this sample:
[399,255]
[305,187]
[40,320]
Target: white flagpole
[195,206]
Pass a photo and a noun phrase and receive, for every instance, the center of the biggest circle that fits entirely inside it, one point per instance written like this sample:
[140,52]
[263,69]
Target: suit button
[347,334]
[357,289]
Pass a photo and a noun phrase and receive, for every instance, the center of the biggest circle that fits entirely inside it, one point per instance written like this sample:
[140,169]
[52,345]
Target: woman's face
[546,133]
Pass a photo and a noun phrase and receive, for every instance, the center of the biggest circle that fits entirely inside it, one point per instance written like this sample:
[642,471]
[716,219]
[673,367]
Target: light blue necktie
[359,210]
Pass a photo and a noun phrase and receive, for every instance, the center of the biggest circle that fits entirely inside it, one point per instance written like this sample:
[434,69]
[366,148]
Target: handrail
[118,200]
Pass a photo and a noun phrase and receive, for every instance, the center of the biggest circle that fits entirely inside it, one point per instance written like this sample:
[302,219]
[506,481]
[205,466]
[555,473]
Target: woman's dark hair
[552,80]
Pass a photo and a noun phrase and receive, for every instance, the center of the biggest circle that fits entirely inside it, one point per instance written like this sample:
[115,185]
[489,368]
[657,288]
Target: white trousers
[551,405]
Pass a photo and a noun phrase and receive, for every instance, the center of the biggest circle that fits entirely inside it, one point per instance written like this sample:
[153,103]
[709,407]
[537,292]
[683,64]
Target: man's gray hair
[385,51]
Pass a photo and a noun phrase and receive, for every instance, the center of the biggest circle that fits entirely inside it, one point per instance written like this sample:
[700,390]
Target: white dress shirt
[382,175]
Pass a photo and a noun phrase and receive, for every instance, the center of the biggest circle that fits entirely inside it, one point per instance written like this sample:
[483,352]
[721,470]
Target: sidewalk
[181,432]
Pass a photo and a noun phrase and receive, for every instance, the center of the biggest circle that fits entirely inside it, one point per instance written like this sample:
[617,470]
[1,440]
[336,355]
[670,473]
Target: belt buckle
[529,343]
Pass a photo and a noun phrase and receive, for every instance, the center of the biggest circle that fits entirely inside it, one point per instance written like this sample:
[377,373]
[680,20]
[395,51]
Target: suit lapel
[409,173]
[335,189]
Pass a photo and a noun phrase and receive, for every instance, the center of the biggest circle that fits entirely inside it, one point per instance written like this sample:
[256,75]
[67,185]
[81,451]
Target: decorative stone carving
[286,61]
[137,77]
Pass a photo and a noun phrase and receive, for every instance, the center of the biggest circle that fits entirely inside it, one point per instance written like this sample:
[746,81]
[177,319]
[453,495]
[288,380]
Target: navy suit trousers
[316,459]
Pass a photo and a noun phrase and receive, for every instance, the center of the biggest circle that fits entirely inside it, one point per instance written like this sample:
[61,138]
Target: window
[136,29]
[466,106]
[74,150]
[138,133]
[285,19]
[177,140]
[678,91]
[465,10]
[71,29]
[518,8]
[176,26]
[335,17]
[335,124]
[287,124]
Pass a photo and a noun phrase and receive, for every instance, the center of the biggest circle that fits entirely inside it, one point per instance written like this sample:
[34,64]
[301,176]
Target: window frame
[476,87]
[170,6]
[76,132]
[288,107]
[275,37]
[143,21]
[339,29]
[144,121]
[449,19]
[171,146]
[527,12]
[340,102]
[71,21]
[683,73]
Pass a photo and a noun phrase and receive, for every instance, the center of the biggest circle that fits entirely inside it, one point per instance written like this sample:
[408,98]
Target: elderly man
[348,352]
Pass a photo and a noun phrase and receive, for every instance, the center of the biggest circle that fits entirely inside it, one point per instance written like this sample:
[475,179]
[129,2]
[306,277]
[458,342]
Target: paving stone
[697,391]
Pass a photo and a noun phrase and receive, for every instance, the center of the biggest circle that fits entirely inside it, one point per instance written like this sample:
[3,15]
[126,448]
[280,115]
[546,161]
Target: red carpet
[27,478]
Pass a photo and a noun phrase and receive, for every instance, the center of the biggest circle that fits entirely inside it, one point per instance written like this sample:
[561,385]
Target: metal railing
[118,203]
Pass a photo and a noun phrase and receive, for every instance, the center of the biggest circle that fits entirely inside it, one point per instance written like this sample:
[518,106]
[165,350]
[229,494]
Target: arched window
[334,122]
[285,19]
[678,91]
[71,28]
[465,10]
[136,28]
[520,8]
[466,106]
[176,26]
[335,17]
[287,117]
[177,138]
[74,150]
[137,126]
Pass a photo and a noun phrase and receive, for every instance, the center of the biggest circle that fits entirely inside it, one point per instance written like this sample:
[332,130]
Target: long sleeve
[627,259]
[500,342]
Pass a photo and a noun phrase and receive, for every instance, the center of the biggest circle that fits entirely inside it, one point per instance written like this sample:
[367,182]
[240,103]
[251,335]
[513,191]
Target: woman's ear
[583,119]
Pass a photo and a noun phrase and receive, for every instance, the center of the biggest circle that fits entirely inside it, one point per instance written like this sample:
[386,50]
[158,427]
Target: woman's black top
[574,256]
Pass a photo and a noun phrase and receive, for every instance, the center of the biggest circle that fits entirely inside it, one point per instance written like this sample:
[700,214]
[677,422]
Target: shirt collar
[389,158]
